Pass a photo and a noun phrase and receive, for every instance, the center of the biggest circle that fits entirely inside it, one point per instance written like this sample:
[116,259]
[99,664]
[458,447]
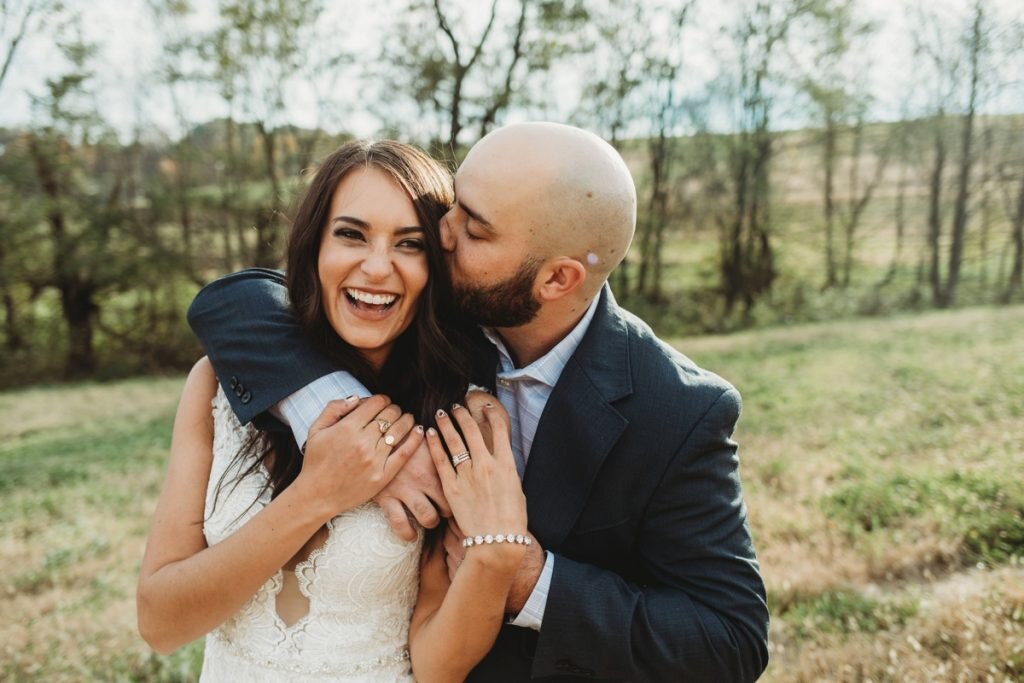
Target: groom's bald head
[567,188]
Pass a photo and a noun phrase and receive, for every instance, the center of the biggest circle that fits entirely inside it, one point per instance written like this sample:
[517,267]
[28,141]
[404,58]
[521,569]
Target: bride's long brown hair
[431,362]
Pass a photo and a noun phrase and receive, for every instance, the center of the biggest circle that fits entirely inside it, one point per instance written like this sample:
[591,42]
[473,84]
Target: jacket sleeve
[257,349]
[704,615]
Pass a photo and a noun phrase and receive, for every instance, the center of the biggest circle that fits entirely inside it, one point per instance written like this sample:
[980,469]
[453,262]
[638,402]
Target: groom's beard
[509,303]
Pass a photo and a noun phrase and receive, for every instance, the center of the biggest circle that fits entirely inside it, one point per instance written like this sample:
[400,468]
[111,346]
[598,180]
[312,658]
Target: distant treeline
[103,242]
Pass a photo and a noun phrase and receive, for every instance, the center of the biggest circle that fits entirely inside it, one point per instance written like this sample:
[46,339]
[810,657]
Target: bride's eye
[348,233]
[412,245]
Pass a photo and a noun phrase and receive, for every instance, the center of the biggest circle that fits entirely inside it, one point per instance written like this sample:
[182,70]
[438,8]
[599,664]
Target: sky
[129,46]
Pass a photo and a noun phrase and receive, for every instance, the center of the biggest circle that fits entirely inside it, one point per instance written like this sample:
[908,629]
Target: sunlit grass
[882,464]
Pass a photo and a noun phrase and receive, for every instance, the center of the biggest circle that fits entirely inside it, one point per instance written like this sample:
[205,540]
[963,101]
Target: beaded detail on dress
[361,585]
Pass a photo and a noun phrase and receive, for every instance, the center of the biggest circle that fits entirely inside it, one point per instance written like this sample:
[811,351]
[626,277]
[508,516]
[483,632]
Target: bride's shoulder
[200,388]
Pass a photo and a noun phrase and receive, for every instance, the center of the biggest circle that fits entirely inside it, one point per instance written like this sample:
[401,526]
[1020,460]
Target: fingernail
[488,405]
[431,432]
[351,398]
[419,428]
[441,413]
[455,406]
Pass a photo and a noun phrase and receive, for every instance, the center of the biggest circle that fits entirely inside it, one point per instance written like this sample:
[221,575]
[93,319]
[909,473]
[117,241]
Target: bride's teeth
[373,299]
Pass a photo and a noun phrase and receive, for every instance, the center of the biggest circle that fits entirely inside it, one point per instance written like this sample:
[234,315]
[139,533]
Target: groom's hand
[416,489]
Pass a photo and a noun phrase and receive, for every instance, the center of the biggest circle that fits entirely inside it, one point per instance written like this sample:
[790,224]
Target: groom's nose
[447,234]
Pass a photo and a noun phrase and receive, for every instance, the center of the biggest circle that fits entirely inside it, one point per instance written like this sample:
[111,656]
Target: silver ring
[383,425]
[460,458]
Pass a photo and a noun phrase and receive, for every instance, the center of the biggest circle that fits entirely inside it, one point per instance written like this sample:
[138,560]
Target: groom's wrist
[532,614]
[525,583]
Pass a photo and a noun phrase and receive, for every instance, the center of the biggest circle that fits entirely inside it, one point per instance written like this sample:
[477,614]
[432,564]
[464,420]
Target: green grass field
[881,460]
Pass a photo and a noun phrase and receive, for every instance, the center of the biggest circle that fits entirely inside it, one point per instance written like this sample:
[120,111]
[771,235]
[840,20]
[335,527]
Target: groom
[644,568]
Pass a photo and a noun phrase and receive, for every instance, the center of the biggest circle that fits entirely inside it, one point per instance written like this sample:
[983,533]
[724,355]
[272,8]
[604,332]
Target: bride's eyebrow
[360,223]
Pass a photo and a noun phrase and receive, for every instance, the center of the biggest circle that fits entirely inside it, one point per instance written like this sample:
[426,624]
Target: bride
[278,556]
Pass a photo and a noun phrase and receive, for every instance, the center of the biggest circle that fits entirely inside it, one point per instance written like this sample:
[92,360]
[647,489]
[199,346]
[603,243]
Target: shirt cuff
[533,611]
[300,410]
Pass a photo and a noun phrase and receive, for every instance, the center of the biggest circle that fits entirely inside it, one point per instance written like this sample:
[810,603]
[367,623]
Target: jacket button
[239,390]
[234,381]
[246,397]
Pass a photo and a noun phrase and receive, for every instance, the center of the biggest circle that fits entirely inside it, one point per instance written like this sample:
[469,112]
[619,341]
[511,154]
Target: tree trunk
[853,192]
[935,213]
[963,194]
[14,338]
[1017,269]
[900,213]
[648,252]
[267,255]
[829,162]
[227,201]
[79,308]
[455,111]
[76,291]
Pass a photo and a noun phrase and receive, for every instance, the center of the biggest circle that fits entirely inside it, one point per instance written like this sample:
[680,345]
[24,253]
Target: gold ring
[383,425]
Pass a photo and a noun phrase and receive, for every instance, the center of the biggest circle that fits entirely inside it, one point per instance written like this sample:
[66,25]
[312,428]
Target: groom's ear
[560,277]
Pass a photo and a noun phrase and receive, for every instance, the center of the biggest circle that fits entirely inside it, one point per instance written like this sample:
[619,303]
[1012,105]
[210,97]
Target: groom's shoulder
[263,285]
[663,371]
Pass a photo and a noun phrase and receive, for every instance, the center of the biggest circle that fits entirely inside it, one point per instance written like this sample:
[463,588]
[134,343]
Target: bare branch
[18,35]
[487,31]
[442,22]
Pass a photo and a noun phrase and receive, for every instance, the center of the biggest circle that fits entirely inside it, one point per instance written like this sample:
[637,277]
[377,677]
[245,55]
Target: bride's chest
[359,560]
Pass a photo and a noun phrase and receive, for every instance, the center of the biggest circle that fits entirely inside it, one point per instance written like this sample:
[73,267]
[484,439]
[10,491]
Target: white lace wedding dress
[361,585]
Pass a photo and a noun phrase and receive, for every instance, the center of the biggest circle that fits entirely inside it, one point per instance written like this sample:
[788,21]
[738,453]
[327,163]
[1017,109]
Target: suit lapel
[579,426]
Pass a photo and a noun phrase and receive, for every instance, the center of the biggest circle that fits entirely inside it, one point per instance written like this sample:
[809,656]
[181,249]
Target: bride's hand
[484,491]
[354,449]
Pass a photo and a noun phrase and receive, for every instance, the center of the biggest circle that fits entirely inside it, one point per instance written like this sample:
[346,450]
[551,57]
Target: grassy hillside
[882,466]
[882,462]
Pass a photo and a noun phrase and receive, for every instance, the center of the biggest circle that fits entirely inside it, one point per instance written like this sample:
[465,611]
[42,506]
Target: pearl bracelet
[500,538]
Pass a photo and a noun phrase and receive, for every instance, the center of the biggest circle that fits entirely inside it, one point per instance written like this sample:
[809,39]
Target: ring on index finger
[460,458]
[383,425]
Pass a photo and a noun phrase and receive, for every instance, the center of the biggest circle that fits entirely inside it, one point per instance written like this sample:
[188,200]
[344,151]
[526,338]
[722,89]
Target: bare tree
[746,253]
[81,221]
[256,53]
[665,108]
[833,82]
[19,19]
[947,74]
[472,72]
[859,195]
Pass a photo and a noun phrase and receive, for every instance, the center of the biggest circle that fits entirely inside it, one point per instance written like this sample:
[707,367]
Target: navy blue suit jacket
[632,483]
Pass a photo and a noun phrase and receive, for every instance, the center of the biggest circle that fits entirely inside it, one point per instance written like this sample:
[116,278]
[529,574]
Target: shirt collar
[548,368]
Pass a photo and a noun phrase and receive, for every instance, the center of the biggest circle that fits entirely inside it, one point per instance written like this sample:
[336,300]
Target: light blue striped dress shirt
[524,393]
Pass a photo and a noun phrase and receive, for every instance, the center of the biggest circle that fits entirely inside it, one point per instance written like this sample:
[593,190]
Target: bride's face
[372,264]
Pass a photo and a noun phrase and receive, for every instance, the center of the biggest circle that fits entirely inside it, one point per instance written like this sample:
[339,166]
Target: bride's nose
[378,264]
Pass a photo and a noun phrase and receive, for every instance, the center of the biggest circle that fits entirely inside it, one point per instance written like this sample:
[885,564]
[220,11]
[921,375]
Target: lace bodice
[361,585]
